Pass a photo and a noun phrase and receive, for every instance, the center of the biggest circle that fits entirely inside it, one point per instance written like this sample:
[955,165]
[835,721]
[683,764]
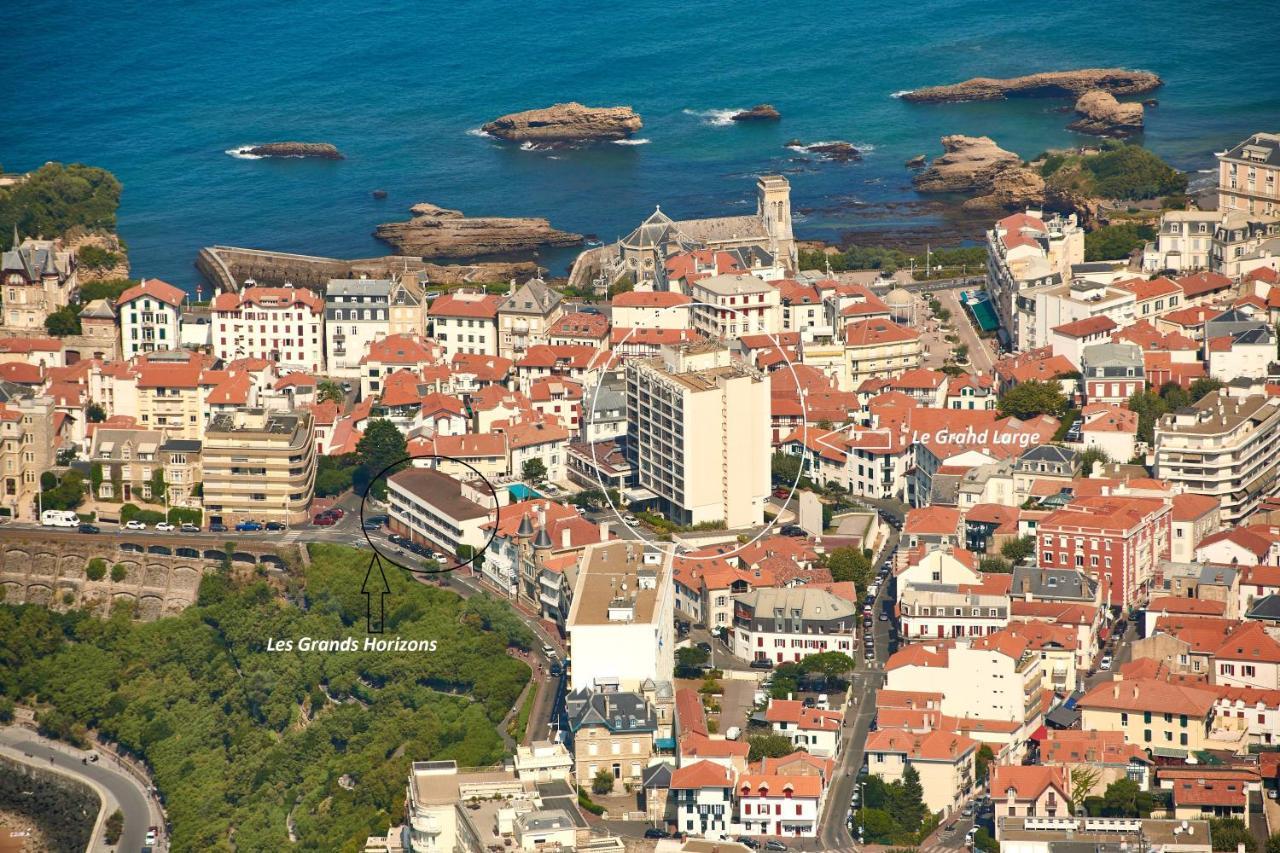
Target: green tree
[995,566]
[6,709]
[328,391]
[850,564]
[983,840]
[119,572]
[879,826]
[1273,843]
[95,414]
[1017,550]
[1115,242]
[1091,456]
[909,809]
[159,488]
[63,322]
[66,495]
[533,470]
[1149,406]
[769,746]
[829,664]
[689,661]
[1229,832]
[785,468]
[380,448]
[56,198]
[602,783]
[1032,398]
[1175,396]
[1203,386]
[114,827]
[109,289]
[1123,798]
[982,762]
[96,569]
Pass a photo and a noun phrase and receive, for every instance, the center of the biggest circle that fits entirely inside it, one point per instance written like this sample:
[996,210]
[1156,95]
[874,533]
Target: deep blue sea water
[157,92]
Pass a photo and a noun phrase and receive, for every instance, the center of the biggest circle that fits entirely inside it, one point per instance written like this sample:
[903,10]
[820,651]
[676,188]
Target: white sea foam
[475,131]
[528,146]
[631,141]
[901,92]
[716,118]
[242,153]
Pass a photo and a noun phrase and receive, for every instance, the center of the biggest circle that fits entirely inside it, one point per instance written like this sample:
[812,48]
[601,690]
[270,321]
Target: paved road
[980,353]
[128,791]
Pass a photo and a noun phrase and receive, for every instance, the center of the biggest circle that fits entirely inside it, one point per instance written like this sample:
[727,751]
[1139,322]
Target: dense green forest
[56,198]
[238,736]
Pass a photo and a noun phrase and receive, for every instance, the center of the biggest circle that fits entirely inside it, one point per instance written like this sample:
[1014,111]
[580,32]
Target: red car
[781,492]
[336,511]
[324,520]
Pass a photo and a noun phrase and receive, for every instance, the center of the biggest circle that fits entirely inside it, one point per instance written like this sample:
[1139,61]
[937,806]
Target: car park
[90,528]
[248,526]
[134,524]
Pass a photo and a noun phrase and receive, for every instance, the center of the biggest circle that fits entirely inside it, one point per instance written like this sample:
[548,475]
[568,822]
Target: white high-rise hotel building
[698,434]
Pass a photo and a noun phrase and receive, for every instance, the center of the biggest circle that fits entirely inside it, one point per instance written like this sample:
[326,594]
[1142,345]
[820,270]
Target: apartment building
[1153,714]
[150,315]
[466,322]
[126,458]
[1249,175]
[877,348]
[1184,241]
[698,434]
[784,805]
[621,624]
[936,610]
[944,760]
[726,307]
[1121,540]
[1082,299]
[813,730]
[183,472]
[1112,372]
[1224,446]
[1026,252]
[1244,241]
[1028,791]
[282,325]
[357,312]
[526,316]
[26,452]
[703,794]
[259,466]
[611,731]
[438,510]
[790,623]
[170,397]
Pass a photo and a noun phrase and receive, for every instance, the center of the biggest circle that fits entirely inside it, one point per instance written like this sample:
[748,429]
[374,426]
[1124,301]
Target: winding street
[128,793]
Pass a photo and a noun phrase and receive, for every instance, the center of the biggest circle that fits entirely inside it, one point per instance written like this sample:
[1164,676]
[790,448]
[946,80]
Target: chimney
[1115,691]
[566,538]
[604,531]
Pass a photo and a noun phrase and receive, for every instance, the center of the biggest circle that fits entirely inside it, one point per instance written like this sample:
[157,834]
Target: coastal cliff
[563,124]
[995,177]
[1050,84]
[1101,114]
[438,232]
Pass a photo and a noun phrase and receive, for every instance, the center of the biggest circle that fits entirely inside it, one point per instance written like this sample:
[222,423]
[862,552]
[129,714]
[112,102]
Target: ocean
[158,93]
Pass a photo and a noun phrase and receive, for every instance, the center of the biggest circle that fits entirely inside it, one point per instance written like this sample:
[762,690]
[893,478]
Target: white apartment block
[1224,446]
[621,624]
[283,325]
[1184,241]
[357,312]
[466,322]
[726,307]
[698,424]
[785,625]
[1249,176]
[150,315]
[1026,252]
[1080,300]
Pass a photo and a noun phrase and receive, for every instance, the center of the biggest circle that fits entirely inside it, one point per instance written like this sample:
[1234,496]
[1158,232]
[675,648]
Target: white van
[823,703]
[733,733]
[59,518]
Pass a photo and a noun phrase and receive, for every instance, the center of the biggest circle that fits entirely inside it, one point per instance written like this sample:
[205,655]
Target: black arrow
[381,589]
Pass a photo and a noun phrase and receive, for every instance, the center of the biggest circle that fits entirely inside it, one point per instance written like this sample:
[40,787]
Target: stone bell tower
[773,207]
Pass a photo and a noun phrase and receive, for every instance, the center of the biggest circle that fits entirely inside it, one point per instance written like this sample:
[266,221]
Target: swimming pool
[521,492]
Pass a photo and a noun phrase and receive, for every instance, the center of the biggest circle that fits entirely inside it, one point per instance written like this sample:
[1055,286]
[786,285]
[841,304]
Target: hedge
[185,515]
[132,512]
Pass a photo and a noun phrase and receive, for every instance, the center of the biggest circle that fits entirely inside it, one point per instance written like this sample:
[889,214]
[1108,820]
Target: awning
[638,495]
[664,742]
[1168,752]
[1040,734]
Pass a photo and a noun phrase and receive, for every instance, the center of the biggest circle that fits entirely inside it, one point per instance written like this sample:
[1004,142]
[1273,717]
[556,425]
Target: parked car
[762,663]
[653,832]
[706,647]
[1105,663]
[323,520]
[884,617]
[556,669]
[792,530]
[773,844]
[134,524]
[217,527]
[165,527]
[90,528]
[748,841]
[275,525]
[376,519]
[188,527]
[248,526]
[781,492]
[336,511]
[151,835]
[370,526]
[967,811]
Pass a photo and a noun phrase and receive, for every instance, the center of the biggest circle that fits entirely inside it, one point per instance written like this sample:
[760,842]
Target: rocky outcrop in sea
[438,232]
[760,112]
[837,151]
[1050,84]
[994,177]
[566,124]
[316,150]
[1102,115]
